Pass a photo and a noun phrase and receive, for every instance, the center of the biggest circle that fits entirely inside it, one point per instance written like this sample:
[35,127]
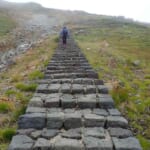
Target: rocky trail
[72,110]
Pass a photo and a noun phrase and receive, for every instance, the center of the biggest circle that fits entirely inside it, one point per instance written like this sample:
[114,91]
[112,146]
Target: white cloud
[137,9]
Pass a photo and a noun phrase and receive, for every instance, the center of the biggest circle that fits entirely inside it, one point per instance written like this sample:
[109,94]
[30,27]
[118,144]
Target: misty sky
[135,9]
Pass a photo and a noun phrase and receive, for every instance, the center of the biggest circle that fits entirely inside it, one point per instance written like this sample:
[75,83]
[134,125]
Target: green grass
[6,24]
[26,87]
[36,75]
[112,48]
[4,107]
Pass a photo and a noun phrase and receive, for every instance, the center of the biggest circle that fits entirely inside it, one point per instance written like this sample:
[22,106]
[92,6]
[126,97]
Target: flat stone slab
[114,112]
[33,120]
[42,144]
[117,121]
[95,132]
[54,88]
[36,102]
[130,143]
[92,120]
[35,110]
[105,101]
[87,101]
[77,89]
[42,88]
[21,142]
[68,101]
[92,143]
[72,134]
[55,120]
[73,120]
[120,132]
[101,112]
[49,133]
[102,89]
[66,88]
[68,144]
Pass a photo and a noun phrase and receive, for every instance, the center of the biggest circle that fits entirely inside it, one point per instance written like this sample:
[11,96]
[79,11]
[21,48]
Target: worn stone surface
[21,142]
[120,132]
[42,144]
[68,144]
[88,101]
[49,133]
[72,120]
[101,112]
[95,132]
[33,120]
[117,121]
[68,101]
[114,112]
[126,144]
[55,120]
[92,143]
[92,120]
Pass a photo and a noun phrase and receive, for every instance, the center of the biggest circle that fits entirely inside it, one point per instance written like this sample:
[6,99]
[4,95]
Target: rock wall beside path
[72,110]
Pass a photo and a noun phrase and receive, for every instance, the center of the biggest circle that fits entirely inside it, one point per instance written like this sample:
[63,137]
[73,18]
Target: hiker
[64,34]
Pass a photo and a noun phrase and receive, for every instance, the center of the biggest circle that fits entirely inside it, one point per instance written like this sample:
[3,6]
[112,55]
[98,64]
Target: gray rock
[120,132]
[95,132]
[25,131]
[90,89]
[52,102]
[117,121]
[136,63]
[77,89]
[114,112]
[21,142]
[92,120]
[72,134]
[54,88]
[101,112]
[42,88]
[87,101]
[42,144]
[36,134]
[105,101]
[72,120]
[36,102]
[66,88]
[33,120]
[47,133]
[55,120]
[35,110]
[92,143]
[130,143]
[68,144]
[68,101]
[102,89]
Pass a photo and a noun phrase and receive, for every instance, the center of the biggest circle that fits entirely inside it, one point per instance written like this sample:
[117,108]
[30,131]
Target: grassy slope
[6,23]
[18,84]
[112,48]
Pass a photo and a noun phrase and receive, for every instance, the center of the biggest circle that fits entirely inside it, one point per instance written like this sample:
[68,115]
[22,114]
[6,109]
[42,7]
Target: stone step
[86,81]
[103,101]
[92,75]
[72,110]
[70,120]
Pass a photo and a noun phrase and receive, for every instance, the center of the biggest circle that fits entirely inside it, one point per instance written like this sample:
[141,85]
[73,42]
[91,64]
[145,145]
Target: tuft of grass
[36,75]
[26,87]
[19,112]
[144,142]
[5,107]
[8,134]
[120,95]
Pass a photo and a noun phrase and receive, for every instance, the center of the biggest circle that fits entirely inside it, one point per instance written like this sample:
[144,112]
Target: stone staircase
[72,110]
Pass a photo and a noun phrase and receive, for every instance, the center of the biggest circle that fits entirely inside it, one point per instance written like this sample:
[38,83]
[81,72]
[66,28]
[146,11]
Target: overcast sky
[135,9]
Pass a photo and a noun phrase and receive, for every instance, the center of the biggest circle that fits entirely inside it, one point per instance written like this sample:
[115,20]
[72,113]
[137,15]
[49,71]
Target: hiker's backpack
[65,33]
